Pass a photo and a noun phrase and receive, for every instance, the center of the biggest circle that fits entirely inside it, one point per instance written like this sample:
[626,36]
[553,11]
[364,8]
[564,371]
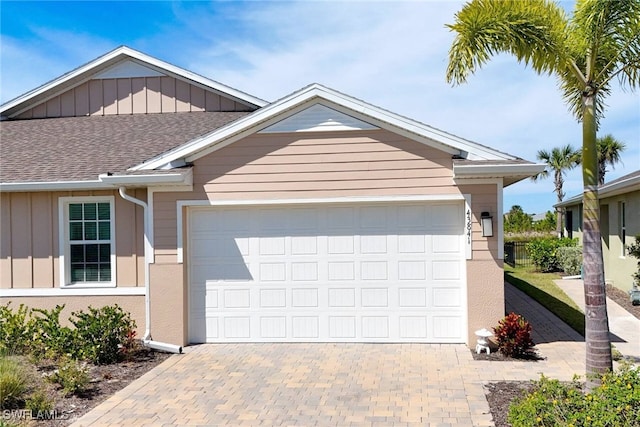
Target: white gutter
[54,186]
[177,178]
[104,182]
[146,339]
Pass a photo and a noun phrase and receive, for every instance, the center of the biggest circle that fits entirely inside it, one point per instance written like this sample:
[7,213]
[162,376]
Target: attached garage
[348,272]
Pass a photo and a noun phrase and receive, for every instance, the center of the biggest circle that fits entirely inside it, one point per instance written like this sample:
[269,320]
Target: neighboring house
[619,224]
[318,217]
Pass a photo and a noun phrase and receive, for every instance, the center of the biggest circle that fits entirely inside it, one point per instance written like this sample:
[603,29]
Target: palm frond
[535,32]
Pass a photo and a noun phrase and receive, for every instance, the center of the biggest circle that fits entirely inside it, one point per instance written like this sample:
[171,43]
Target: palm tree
[558,161]
[609,150]
[600,42]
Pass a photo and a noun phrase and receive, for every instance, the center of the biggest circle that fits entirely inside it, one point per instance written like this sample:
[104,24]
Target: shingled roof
[81,148]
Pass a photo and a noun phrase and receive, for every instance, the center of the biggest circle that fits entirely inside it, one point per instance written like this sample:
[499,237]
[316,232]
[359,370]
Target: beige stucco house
[619,224]
[214,216]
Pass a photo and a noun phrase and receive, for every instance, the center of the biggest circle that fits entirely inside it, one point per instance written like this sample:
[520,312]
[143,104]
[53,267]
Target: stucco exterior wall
[169,305]
[618,266]
[485,295]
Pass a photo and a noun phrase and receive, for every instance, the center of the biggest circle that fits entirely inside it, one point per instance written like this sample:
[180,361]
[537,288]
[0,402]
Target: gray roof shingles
[81,148]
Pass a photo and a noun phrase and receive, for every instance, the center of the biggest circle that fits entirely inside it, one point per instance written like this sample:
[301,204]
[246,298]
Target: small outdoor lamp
[487,224]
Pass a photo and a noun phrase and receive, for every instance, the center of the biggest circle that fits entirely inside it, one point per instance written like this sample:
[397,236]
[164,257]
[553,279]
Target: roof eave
[104,182]
[318,93]
[509,173]
[615,189]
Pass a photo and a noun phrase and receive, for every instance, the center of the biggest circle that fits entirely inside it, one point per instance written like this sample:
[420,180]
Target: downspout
[146,339]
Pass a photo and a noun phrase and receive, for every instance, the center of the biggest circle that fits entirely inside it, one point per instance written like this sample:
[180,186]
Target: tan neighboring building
[619,224]
[214,216]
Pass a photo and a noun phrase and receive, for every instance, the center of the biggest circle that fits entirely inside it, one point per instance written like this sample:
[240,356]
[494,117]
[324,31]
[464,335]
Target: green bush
[15,333]
[71,376]
[543,252]
[39,403]
[513,336]
[13,383]
[570,259]
[103,335]
[552,403]
[50,339]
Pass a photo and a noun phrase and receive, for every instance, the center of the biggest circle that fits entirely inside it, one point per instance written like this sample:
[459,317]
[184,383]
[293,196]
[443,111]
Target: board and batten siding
[137,95]
[29,239]
[321,165]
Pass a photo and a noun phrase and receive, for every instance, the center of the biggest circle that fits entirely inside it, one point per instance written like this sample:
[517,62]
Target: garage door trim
[356,203]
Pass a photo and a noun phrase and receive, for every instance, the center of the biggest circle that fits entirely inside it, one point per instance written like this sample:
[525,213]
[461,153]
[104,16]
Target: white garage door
[356,273]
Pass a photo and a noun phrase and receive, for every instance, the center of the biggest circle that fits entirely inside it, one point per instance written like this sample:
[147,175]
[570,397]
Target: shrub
[39,404]
[543,252]
[71,376]
[103,335]
[50,339]
[13,383]
[15,333]
[513,335]
[551,403]
[570,259]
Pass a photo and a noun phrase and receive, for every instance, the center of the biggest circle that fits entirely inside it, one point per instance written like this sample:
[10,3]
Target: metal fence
[516,253]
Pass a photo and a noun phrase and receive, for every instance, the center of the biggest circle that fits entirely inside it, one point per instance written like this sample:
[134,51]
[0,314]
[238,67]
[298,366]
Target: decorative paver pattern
[334,384]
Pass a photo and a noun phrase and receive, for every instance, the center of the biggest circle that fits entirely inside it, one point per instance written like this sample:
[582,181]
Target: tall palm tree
[558,162]
[609,150]
[598,44]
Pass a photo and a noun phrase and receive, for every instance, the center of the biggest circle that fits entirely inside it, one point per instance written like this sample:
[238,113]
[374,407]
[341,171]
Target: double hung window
[88,247]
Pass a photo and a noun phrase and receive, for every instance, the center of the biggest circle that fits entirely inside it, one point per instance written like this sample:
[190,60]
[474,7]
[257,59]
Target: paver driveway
[332,384]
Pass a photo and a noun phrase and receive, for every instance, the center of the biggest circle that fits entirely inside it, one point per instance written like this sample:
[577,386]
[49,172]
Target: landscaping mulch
[501,394]
[496,356]
[105,381]
[622,299]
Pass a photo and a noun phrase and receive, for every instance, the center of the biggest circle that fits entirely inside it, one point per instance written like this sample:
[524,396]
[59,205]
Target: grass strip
[540,287]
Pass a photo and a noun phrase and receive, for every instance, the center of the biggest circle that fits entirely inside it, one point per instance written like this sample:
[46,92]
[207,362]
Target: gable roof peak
[85,72]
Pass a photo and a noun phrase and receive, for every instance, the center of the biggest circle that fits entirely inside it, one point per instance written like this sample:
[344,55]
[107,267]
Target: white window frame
[65,243]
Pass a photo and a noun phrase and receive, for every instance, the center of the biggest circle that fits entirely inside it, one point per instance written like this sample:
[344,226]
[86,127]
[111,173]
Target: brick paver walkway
[334,384]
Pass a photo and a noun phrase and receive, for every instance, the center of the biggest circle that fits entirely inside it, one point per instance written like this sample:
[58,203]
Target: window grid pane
[90,232]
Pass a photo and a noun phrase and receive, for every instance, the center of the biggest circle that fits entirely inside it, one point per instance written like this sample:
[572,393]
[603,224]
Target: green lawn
[540,287]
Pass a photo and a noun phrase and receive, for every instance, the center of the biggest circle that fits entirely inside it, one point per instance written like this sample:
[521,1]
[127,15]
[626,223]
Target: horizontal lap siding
[29,239]
[308,165]
[331,164]
[139,95]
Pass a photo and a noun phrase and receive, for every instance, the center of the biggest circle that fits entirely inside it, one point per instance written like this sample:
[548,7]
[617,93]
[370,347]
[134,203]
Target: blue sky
[391,54]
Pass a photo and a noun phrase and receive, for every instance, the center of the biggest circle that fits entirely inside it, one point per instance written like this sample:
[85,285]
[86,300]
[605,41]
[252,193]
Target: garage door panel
[270,298]
[374,297]
[447,297]
[373,273]
[446,270]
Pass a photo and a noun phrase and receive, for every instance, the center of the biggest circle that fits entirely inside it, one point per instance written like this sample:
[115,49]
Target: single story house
[619,224]
[214,216]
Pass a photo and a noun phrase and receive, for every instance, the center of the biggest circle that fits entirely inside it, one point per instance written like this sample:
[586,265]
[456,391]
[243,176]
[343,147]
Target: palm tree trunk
[598,345]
